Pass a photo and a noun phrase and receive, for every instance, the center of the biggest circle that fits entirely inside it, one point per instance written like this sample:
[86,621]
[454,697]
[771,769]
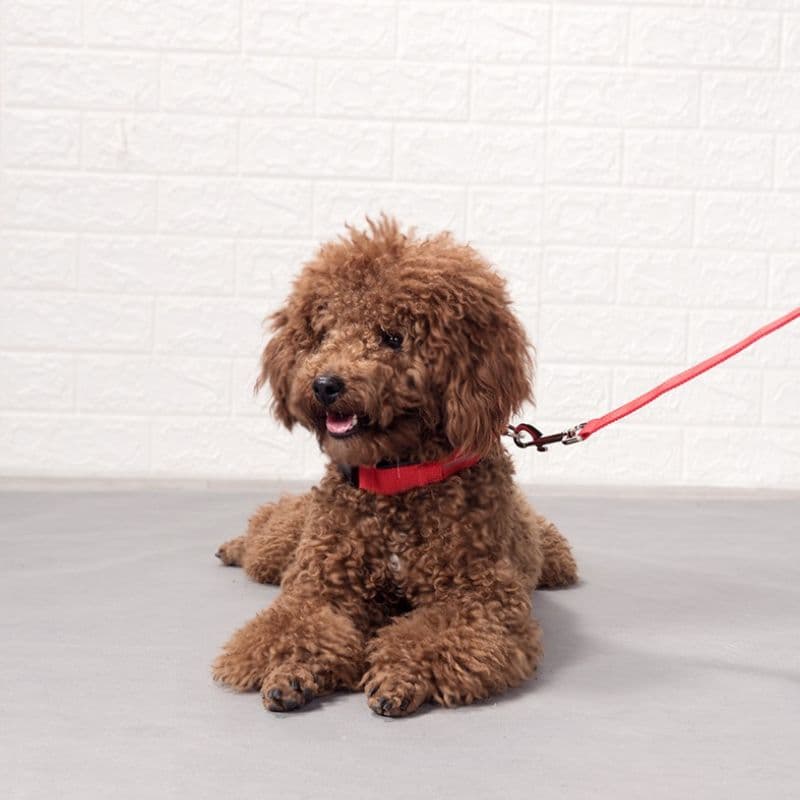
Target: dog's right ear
[277,362]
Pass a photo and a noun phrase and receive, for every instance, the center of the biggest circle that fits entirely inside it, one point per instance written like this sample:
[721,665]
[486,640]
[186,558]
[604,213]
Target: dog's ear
[277,362]
[490,376]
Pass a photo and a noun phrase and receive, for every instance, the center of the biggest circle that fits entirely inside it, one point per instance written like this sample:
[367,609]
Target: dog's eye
[393,340]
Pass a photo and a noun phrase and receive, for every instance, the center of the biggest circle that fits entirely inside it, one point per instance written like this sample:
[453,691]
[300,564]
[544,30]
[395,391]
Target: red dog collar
[397,478]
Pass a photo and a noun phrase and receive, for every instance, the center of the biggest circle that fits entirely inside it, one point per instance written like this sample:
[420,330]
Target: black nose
[327,388]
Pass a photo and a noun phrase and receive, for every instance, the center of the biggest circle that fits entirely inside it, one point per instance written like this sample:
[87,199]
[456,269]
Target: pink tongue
[340,425]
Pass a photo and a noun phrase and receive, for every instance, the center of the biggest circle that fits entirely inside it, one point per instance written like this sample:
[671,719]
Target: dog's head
[389,345]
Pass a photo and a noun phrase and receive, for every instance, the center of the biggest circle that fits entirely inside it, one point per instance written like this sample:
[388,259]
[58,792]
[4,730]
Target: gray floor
[672,670]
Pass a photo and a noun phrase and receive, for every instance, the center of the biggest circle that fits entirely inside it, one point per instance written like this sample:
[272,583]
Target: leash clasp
[525,435]
[573,435]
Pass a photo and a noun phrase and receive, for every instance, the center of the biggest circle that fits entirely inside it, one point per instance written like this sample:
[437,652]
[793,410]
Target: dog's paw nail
[384,705]
[218,554]
[295,684]
[372,691]
[290,705]
[307,695]
[274,694]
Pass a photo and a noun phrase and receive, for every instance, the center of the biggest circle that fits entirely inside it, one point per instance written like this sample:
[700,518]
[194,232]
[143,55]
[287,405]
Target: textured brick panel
[752,100]
[233,85]
[703,160]
[37,382]
[505,215]
[159,143]
[636,98]
[68,322]
[42,22]
[69,445]
[511,32]
[749,220]
[632,167]
[579,275]
[204,326]
[315,148]
[266,268]
[39,261]
[150,264]
[583,155]
[428,208]
[147,385]
[584,35]
[80,79]
[577,216]
[704,38]
[247,206]
[41,138]
[478,154]
[784,279]
[70,202]
[319,28]
[391,90]
[595,334]
[509,93]
[680,278]
[163,24]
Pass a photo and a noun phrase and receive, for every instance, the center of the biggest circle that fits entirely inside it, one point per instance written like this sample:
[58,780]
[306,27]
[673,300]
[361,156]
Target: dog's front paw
[231,553]
[391,694]
[288,688]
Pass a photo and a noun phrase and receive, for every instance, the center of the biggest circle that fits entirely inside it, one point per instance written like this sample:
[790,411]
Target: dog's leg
[558,567]
[269,545]
[453,652]
[311,640]
[296,649]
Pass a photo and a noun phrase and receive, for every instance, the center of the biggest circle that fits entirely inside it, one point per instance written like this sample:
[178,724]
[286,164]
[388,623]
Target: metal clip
[525,435]
[572,435]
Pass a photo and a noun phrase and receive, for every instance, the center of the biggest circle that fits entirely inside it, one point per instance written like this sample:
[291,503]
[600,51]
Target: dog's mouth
[340,426]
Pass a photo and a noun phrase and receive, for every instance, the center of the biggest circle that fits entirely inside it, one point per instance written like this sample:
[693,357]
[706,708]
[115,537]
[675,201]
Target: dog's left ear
[489,379]
[277,362]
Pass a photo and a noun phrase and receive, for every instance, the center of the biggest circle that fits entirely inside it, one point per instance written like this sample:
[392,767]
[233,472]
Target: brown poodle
[408,571]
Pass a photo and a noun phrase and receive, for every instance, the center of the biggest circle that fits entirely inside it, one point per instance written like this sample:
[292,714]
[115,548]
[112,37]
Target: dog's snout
[327,388]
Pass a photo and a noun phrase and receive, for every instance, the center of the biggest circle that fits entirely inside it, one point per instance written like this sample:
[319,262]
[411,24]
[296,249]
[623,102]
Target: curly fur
[425,595]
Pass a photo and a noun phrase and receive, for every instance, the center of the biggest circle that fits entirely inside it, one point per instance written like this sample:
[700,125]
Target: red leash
[525,435]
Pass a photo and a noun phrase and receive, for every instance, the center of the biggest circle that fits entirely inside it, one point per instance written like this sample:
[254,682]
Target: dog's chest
[390,551]
[403,549]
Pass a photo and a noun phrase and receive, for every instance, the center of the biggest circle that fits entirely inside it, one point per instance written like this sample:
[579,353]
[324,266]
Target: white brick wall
[633,167]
